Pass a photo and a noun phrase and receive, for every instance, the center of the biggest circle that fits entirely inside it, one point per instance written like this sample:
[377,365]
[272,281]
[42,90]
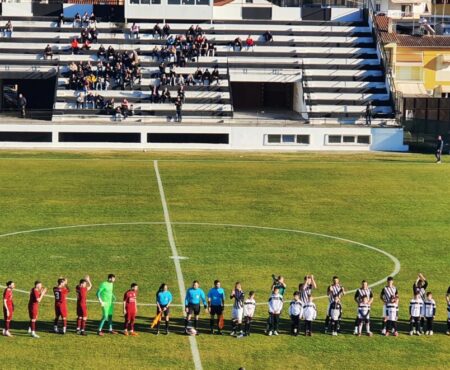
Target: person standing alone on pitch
[216,304]
[60,292]
[106,297]
[194,295]
[82,290]
[439,149]
[8,307]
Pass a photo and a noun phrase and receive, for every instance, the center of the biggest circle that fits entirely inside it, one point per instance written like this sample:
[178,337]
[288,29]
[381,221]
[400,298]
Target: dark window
[99,137]
[363,139]
[302,139]
[334,139]
[288,138]
[26,137]
[188,138]
[274,139]
[202,2]
[349,139]
[173,2]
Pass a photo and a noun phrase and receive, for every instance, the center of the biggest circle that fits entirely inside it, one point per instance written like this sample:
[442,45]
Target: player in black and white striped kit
[388,292]
[237,312]
[335,290]
[305,289]
[420,286]
[360,293]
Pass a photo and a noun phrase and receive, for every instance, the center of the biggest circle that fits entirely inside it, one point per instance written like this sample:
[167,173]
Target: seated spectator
[179,80]
[109,106]
[86,45]
[101,53]
[134,31]
[124,107]
[198,76]
[157,31]
[110,52]
[118,114]
[237,44]
[80,100]
[131,110]
[100,83]
[48,53]
[198,30]
[165,96]
[75,46]
[76,20]
[60,21]
[190,80]
[166,30]
[267,36]
[181,93]
[8,30]
[90,100]
[99,102]
[250,43]
[92,20]
[191,31]
[206,79]
[93,34]
[85,19]
[215,76]
[73,68]
[211,50]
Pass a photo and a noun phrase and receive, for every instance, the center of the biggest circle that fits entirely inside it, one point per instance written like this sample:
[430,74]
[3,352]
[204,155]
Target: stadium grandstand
[280,75]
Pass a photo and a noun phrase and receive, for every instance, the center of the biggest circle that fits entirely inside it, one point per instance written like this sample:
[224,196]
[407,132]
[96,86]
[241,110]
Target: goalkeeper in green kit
[106,297]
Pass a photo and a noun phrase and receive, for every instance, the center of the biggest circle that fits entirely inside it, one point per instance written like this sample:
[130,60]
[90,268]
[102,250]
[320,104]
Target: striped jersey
[305,291]
[429,309]
[309,311]
[391,311]
[238,296]
[335,311]
[249,307]
[422,290]
[275,303]
[415,307]
[361,293]
[388,292]
[335,291]
[364,311]
[295,308]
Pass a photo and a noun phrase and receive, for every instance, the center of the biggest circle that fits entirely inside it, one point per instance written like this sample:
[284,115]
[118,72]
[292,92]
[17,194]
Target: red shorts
[10,314]
[82,311]
[61,311]
[33,311]
[130,315]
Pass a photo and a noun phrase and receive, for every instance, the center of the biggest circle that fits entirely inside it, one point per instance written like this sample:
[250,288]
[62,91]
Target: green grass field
[397,203]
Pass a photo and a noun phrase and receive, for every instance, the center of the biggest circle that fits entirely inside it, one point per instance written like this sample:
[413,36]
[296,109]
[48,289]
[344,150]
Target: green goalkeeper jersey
[106,292]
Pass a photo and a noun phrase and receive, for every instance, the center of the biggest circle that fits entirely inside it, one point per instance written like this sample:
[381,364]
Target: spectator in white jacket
[275,307]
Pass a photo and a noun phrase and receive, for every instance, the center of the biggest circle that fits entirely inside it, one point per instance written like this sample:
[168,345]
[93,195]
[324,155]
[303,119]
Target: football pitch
[228,216]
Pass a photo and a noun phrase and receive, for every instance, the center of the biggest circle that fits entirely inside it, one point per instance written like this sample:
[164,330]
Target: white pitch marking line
[393,258]
[176,261]
[179,258]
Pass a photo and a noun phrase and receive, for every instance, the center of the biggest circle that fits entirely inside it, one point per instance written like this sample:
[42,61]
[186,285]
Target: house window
[348,140]
[405,73]
[287,139]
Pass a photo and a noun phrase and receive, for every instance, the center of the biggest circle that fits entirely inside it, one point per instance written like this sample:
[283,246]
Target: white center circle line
[394,259]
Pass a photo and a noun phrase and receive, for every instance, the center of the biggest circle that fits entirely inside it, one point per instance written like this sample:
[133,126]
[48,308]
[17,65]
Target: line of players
[421,307]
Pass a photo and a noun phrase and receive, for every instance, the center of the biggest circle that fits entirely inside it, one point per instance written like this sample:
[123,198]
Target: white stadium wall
[17,9]
[239,137]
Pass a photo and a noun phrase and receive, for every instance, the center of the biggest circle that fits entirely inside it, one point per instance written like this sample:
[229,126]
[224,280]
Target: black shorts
[194,309]
[216,310]
[165,313]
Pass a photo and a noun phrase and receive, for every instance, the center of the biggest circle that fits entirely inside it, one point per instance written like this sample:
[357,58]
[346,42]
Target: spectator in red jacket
[250,43]
[75,46]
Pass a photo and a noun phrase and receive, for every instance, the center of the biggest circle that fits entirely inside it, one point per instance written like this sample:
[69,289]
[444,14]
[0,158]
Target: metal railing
[390,83]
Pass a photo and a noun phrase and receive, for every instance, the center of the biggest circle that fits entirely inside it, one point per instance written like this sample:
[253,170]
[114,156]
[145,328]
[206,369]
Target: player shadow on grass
[20,328]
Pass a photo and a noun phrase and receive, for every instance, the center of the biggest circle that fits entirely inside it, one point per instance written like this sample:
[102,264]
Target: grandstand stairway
[337,62]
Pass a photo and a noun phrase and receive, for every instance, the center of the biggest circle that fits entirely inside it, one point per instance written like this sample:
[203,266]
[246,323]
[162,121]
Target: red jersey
[8,297]
[81,295]
[60,295]
[130,300]
[34,297]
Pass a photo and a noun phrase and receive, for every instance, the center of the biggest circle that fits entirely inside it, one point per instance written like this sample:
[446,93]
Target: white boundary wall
[240,137]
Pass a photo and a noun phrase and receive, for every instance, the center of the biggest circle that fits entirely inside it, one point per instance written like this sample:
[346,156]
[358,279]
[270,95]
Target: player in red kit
[82,290]
[61,291]
[8,307]
[130,309]
[36,295]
